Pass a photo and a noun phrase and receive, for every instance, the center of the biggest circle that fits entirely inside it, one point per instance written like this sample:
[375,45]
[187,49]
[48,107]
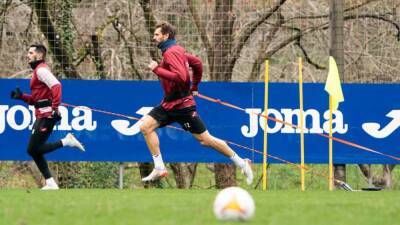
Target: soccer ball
[234,203]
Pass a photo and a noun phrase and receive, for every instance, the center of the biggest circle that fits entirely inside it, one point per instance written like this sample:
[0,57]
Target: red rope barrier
[180,129]
[295,126]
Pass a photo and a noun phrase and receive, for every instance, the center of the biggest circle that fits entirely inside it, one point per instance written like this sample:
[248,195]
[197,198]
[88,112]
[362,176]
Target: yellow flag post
[334,88]
[265,152]
[301,125]
[330,145]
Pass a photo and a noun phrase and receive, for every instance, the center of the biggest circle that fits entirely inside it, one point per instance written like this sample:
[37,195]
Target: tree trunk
[3,13]
[151,22]
[339,173]
[222,36]
[180,175]
[387,175]
[97,59]
[366,171]
[384,181]
[225,175]
[55,43]
[336,19]
[336,23]
[184,174]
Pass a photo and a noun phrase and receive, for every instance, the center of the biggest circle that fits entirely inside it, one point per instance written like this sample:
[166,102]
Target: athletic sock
[237,160]
[65,142]
[158,162]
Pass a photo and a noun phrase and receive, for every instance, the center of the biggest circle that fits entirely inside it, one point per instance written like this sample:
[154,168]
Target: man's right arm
[27,98]
[17,94]
[177,68]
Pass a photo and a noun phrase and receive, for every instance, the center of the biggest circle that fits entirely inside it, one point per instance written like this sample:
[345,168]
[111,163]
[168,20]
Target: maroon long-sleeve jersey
[43,85]
[174,75]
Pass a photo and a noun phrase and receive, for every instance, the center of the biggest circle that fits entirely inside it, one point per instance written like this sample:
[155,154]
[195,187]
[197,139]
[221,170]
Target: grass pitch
[172,206]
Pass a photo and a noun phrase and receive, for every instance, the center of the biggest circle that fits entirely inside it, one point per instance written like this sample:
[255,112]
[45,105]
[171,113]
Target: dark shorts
[186,117]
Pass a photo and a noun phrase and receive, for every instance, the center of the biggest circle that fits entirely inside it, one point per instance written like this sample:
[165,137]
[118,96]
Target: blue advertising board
[369,116]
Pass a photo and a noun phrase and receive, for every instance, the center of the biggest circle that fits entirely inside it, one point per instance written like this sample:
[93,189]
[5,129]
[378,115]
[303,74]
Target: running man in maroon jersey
[178,104]
[45,95]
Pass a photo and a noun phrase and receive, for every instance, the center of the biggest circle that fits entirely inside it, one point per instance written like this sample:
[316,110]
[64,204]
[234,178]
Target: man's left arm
[197,68]
[47,77]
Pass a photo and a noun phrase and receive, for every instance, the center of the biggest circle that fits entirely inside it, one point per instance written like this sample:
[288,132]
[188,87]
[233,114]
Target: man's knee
[148,125]
[31,151]
[146,128]
[205,141]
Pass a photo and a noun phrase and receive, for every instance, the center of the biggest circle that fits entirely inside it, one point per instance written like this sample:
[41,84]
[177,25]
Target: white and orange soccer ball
[234,203]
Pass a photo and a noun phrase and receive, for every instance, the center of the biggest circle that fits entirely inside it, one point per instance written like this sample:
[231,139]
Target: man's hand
[55,114]
[16,94]
[194,90]
[152,65]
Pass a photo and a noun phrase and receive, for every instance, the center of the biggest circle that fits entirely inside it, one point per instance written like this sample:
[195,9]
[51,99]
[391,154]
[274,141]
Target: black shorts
[186,117]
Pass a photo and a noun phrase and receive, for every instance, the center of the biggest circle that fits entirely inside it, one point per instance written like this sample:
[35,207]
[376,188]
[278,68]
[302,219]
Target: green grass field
[172,206]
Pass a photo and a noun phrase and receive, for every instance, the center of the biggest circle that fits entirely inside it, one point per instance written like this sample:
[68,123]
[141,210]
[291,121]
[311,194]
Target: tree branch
[3,14]
[55,44]
[223,21]
[359,5]
[378,17]
[27,29]
[250,28]
[327,15]
[96,55]
[323,27]
[307,57]
[202,30]
[293,38]
[264,46]
[150,23]
[82,54]
[119,27]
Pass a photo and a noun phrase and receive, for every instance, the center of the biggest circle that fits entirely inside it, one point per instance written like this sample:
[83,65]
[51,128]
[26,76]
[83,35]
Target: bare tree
[233,40]
[3,13]
[121,29]
[184,172]
[383,180]
[55,41]
[223,50]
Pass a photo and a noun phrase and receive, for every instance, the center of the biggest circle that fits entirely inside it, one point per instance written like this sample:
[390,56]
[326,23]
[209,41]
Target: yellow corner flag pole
[265,153]
[330,145]
[303,187]
[334,88]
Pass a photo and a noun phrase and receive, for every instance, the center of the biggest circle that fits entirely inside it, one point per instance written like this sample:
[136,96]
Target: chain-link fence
[99,39]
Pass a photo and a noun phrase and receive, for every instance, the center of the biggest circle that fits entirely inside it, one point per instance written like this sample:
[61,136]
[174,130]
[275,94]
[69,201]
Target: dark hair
[167,28]
[40,49]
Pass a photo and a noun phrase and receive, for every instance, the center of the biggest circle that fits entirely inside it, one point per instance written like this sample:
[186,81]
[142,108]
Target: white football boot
[156,174]
[71,141]
[50,185]
[246,170]
[50,188]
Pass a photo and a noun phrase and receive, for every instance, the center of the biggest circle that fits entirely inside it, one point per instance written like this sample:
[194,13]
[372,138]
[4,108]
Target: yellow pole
[301,124]
[330,146]
[265,153]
